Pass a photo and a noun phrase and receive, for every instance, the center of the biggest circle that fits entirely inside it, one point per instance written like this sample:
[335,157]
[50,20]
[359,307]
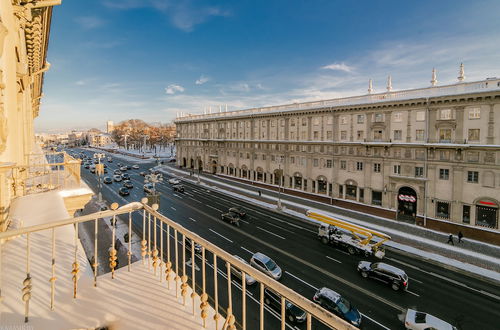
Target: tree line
[161,135]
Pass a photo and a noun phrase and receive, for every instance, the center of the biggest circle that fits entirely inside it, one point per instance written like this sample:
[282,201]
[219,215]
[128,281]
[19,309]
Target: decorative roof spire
[370,86]
[389,83]
[461,74]
[434,78]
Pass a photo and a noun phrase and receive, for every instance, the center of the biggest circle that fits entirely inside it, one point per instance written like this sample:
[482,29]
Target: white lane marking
[210,206]
[224,237]
[192,219]
[413,293]
[334,259]
[301,280]
[270,232]
[195,200]
[178,196]
[245,221]
[173,208]
[406,264]
[288,230]
[294,225]
[188,194]
[378,323]
[246,250]
[342,251]
[413,279]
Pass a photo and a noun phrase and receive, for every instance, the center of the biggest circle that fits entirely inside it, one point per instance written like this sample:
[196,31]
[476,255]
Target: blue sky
[149,59]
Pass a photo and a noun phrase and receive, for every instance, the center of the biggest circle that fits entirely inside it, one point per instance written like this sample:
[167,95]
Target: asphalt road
[464,301]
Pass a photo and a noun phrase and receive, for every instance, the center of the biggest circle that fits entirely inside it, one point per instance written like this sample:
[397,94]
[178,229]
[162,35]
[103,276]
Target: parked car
[338,305]
[292,312]
[110,160]
[123,191]
[104,208]
[107,180]
[135,167]
[391,275]
[117,178]
[419,321]
[128,167]
[117,172]
[236,272]
[174,181]
[266,265]
[178,187]
[123,168]
[238,210]
[148,187]
[231,217]
[142,173]
[125,176]
[127,184]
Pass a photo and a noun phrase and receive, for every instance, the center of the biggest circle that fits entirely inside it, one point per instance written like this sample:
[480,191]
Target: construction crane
[355,239]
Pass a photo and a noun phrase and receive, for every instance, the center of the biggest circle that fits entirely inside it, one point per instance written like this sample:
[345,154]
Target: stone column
[490,139]
[457,189]
[459,119]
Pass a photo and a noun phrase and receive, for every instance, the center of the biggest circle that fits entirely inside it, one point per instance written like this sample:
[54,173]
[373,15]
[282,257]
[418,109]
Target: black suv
[231,217]
[123,191]
[338,305]
[108,180]
[178,187]
[393,276]
[238,210]
[292,312]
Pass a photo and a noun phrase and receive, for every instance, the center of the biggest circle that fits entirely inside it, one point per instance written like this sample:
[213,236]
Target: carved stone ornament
[3,119]
[3,34]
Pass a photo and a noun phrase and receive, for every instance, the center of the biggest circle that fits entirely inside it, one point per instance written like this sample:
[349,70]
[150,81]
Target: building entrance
[487,214]
[407,204]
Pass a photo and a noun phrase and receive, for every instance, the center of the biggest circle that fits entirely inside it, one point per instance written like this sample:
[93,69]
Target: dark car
[292,312]
[92,169]
[125,176]
[197,248]
[391,275]
[127,184]
[87,166]
[128,167]
[178,187]
[119,164]
[123,191]
[335,303]
[231,217]
[238,210]
[107,180]
[117,172]
[172,160]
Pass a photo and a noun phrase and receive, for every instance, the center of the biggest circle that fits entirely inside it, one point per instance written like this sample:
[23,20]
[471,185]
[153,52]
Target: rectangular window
[466,214]
[329,135]
[445,114]
[361,119]
[343,135]
[263,157]
[315,162]
[292,122]
[273,158]
[376,197]
[397,169]
[376,167]
[397,117]
[379,117]
[472,176]
[292,160]
[304,121]
[445,135]
[360,135]
[343,164]
[329,163]
[420,154]
[443,210]
[419,172]
[420,116]
[473,134]
[359,166]
[378,135]
[475,113]
[343,120]
[316,135]
[420,135]
[397,135]
[444,174]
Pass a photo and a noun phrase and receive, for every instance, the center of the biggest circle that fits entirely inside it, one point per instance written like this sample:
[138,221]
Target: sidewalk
[471,256]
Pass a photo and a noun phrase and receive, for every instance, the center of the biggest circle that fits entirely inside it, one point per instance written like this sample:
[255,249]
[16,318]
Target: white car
[135,167]
[266,265]
[419,321]
[236,272]
[174,181]
[117,178]
[123,168]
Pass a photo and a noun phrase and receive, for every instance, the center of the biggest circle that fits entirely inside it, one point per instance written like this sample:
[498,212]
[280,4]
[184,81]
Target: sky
[151,59]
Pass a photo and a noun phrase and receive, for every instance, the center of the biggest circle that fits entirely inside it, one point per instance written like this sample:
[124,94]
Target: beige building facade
[429,153]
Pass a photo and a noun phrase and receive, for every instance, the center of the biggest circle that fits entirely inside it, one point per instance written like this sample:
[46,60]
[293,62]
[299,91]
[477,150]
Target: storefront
[407,204]
[487,213]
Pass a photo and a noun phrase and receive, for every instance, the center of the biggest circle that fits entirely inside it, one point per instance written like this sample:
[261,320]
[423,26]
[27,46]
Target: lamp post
[153,179]
[280,174]
[99,171]
[199,160]
[125,136]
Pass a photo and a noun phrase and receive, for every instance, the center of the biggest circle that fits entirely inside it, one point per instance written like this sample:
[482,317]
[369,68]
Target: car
[117,178]
[266,265]
[123,191]
[87,166]
[117,172]
[125,176]
[395,277]
[110,160]
[236,272]
[104,208]
[238,210]
[104,165]
[197,247]
[338,305]
[107,180]
[123,168]
[419,321]
[105,171]
[148,187]
[92,169]
[172,160]
[142,173]
[135,167]
[178,187]
[119,164]
[231,217]
[127,184]
[292,312]
[174,181]
[128,167]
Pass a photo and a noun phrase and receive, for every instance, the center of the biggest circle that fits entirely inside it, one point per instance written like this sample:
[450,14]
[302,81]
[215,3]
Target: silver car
[236,272]
[266,265]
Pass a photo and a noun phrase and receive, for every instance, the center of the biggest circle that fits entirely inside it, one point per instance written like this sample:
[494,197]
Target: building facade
[431,153]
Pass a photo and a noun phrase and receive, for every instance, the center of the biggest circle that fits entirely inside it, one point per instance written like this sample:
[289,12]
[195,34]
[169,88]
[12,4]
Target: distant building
[110,127]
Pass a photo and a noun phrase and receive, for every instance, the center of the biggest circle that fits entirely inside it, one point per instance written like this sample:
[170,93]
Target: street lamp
[125,136]
[153,179]
[280,174]
[99,171]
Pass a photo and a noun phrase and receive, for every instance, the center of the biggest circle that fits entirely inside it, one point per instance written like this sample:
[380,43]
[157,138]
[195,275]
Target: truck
[351,237]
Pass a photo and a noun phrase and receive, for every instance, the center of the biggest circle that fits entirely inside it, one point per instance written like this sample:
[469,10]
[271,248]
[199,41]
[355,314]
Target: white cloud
[89,22]
[339,67]
[80,83]
[174,88]
[202,80]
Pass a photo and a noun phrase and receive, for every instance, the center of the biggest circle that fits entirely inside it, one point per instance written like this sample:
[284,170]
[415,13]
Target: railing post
[244,299]
[184,277]
[76,265]
[27,281]
[216,293]
[308,321]
[53,278]
[168,267]
[283,316]
[162,261]
[112,252]
[96,263]
[261,307]
[193,273]
[155,250]
[177,277]
[149,241]
[129,253]
[230,319]
[204,295]
[143,242]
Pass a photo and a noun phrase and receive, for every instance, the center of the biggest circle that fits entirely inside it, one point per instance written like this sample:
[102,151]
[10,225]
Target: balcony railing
[163,249]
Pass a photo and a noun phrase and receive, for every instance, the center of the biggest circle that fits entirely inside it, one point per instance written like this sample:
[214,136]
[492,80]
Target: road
[308,264]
